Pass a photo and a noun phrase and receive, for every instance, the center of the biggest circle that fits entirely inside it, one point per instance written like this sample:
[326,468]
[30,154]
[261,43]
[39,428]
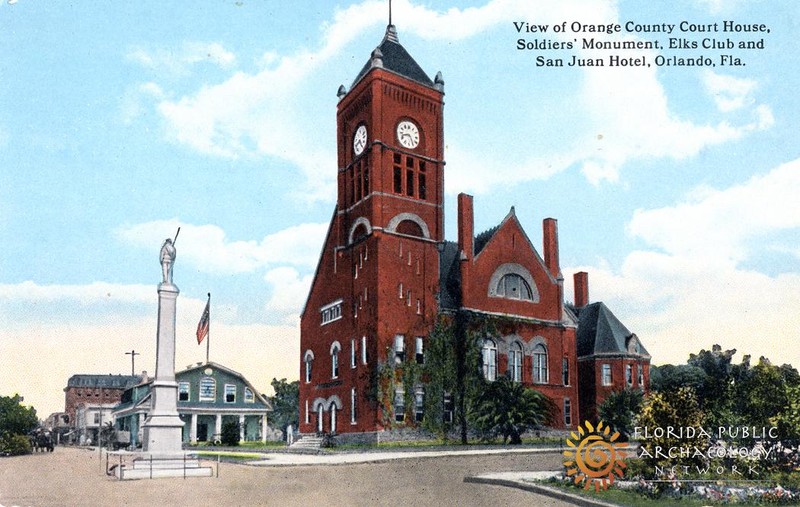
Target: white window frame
[489,359]
[230,389]
[353,407]
[353,354]
[640,370]
[419,405]
[540,364]
[399,406]
[515,361]
[567,412]
[364,349]
[331,312]
[606,376]
[419,349]
[209,381]
[399,348]
[335,362]
[249,395]
[185,387]
[629,375]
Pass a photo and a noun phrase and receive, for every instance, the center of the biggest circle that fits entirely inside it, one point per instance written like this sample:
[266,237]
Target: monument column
[163,427]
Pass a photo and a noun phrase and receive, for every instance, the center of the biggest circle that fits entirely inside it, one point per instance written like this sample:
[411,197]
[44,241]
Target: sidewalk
[345,458]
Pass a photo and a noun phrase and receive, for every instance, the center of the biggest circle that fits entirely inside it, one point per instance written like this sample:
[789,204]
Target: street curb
[541,490]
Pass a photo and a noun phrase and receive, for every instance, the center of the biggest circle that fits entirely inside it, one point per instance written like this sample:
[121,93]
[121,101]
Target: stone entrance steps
[307,443]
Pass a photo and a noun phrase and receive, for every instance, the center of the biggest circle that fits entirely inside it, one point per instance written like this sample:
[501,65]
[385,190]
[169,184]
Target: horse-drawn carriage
[42,440]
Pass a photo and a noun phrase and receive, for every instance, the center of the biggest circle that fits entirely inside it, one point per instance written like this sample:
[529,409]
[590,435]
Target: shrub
[14,445]
[230,433]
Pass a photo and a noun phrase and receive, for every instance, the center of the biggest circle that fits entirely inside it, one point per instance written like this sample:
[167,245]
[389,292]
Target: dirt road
[75,477]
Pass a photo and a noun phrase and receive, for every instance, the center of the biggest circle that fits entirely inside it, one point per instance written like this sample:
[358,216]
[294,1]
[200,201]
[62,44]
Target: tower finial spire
[390,12]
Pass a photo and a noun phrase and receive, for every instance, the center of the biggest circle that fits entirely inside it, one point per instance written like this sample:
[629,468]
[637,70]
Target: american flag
[202,326]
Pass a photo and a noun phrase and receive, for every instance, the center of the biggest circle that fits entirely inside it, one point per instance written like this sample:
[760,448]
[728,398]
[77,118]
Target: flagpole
[208,337]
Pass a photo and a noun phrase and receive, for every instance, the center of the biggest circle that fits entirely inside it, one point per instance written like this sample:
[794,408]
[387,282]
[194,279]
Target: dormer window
[513,286]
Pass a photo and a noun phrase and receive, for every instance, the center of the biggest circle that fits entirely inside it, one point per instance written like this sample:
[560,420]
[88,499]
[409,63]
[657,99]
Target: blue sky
[676,188]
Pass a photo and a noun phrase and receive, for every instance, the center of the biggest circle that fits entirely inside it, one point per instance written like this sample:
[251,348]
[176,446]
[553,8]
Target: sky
[674,187]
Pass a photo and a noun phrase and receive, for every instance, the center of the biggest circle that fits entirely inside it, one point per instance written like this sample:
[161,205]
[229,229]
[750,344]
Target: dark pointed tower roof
[391,56]
[601,332]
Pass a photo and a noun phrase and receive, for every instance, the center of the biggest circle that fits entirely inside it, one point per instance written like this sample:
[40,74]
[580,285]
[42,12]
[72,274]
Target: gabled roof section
[217,366]
[482,239]
[394,58]
[601,332]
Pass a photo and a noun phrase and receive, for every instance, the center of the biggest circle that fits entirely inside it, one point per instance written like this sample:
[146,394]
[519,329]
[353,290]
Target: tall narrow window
[565,371]
[308,414]
[366,179]
[353,406]
[335,362]
[364,349]
[399,348]
[539,364]
[629,374]
[489,353]
[419,353]
[515,362]
[308,361]
[567,412]
[640,367]
[422,187]
[398,180]
[447,407]
[399,406]
[419,405]
[606,374]
[353,353]
[249,397]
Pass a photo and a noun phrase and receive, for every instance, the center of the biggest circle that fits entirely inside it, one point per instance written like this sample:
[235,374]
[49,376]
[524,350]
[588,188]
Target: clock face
[407,134]
[360,139]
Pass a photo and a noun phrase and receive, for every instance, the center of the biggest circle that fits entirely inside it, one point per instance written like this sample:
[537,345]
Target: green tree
[285,404]
[15,418]
[715,394]
[620,409]
[670,377]
[676,409]
[508,409]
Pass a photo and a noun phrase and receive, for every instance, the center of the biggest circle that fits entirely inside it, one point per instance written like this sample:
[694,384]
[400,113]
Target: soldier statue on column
[168,254]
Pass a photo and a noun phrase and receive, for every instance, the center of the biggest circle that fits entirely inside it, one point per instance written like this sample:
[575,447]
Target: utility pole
[133,355]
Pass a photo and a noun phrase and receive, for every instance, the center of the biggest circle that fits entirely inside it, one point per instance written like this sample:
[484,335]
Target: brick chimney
[550,229]
[581,280]
[466,227]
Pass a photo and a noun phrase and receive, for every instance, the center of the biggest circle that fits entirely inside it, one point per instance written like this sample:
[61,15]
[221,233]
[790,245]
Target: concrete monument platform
[156,466]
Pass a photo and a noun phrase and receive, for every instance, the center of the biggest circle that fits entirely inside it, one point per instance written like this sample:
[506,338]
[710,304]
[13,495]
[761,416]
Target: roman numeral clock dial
[360,140]
[407,134]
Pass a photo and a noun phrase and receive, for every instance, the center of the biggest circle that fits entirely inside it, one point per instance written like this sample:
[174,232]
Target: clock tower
[374,296]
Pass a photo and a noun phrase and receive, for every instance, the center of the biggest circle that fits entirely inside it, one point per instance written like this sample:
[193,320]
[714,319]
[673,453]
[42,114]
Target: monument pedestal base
[160,465]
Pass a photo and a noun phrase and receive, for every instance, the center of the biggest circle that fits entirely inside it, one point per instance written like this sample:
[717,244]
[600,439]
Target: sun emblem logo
[596,457]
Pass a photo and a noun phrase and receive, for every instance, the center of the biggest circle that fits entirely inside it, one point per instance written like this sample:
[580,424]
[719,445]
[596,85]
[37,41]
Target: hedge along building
[386,274]
[209,395]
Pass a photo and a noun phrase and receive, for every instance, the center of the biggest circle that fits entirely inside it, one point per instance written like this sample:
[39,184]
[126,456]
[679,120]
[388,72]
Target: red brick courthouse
[386,274]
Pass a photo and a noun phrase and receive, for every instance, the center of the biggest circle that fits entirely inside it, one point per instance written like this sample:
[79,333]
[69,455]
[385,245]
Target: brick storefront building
[386,272]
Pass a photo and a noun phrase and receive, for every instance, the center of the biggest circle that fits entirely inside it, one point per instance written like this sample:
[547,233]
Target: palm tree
[508,408]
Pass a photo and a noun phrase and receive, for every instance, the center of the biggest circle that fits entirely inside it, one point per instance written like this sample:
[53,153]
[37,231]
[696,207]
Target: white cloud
[289,293]
[730,93]
[691,290]
[179,61]
[721,224]
[208,249]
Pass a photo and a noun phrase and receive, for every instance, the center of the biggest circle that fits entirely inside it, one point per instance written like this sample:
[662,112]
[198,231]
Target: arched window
[513,286]
[513,281]
[515,362]
[489,353]
[308,360]
[335,349]
[539,364]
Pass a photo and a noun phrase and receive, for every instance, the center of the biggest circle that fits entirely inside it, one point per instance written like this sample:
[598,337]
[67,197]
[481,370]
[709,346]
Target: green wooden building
[209,395]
